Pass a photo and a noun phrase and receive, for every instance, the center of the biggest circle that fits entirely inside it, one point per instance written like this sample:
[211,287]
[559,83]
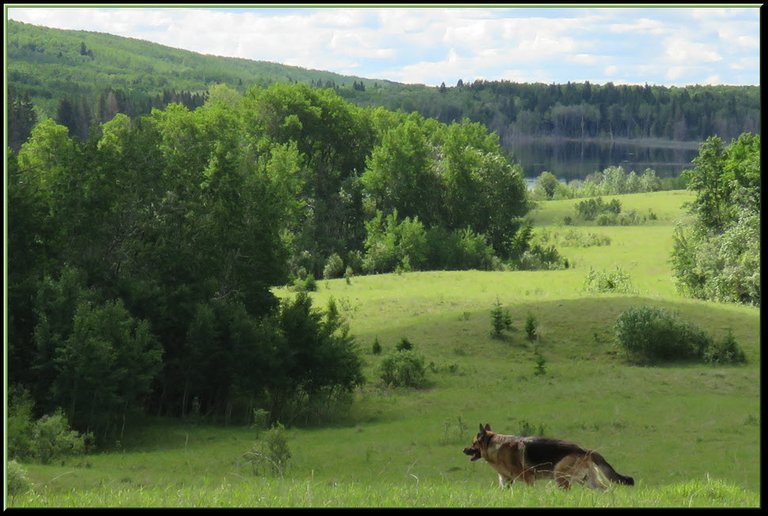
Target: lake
[576,159]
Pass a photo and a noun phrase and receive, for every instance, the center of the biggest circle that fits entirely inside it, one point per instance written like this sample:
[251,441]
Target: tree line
[584,110]
[141,257]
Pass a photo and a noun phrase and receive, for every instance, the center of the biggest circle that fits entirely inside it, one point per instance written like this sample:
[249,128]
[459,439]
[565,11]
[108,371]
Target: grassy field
[688,433]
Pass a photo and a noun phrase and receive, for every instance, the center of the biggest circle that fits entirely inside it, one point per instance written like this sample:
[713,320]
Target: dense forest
[83,78]
[141,258]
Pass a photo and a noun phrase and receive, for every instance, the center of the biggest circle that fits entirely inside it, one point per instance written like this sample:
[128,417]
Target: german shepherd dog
[531,458]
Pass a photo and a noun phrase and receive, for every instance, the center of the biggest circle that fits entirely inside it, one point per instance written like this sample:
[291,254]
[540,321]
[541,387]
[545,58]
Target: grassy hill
[688,433]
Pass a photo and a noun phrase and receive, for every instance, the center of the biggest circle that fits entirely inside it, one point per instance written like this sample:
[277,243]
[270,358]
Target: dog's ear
[487,427]
[481,428]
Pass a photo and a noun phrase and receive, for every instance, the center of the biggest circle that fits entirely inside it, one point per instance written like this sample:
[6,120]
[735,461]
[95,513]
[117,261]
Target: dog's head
[479,443]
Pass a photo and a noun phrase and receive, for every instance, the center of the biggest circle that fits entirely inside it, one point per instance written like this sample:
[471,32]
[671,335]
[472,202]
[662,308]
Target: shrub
[404,345]
[376,348]
[530,327]
[500,320]
[649,335]
[616,281]
[52,438]
[20,423]
[17,481]
[404,369]
[334,267]
[270,455]
[726,351]
[307,284]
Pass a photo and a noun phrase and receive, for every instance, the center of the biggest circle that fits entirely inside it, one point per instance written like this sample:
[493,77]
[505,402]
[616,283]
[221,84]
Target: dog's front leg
[504,481]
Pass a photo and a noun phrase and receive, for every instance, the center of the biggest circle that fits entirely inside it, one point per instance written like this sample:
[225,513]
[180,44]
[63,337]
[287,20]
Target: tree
[21,119]
[400,173]
[547,182]
[105,366]
[718,256]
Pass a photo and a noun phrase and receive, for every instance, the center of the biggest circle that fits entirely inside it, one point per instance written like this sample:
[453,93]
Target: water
[569,160]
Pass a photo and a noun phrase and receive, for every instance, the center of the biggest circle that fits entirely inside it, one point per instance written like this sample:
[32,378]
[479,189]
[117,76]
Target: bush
[20,423]
[500,320]
[616,281]
[271,455]
[530,327]
[404,345]
[52,438]
[334,267]
[649,335]
[17,481]
[376,348]
[726,351]
[307,284]
[404,369]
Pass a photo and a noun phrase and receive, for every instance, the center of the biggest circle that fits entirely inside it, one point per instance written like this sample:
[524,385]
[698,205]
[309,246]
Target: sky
[667,46]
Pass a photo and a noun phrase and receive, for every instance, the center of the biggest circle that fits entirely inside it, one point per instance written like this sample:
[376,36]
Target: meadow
[687,432]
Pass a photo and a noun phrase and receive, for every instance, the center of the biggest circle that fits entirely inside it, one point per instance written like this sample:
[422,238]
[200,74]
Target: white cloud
[431,45]
[679,50]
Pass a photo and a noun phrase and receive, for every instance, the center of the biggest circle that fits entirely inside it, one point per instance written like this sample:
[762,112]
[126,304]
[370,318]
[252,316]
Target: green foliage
[334,267]
[106,365]
[615,281]
[547,183]
[459,250]
[391,244]
[271,455]
[725,351]
[376,347]
[531,327]
[17,480]
[19,424]
[404,345]
[718,257]
[590,209]
[501,320]
[52,439]
[649,335]
[403,369]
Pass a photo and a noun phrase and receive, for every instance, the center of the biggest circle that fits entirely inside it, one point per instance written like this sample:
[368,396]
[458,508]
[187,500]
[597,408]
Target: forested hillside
[81,78]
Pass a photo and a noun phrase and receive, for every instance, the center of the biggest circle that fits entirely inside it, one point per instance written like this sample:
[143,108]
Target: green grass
[688,433]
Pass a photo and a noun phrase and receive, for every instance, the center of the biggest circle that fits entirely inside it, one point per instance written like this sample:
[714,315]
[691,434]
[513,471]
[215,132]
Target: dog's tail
[609,472]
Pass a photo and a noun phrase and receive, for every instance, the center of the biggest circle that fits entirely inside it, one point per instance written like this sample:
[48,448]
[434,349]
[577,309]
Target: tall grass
[318,493]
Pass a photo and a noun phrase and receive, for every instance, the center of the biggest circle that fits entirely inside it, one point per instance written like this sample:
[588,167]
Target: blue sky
[430,45]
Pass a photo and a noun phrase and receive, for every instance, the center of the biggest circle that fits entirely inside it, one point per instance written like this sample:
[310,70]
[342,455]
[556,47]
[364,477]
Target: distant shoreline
[644,142]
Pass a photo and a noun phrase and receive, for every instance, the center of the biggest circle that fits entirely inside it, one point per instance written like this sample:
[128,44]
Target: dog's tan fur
[532,458]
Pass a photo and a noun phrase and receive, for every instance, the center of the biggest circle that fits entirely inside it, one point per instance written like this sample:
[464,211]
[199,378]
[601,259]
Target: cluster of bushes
[406,245]
[42,440]
[649,335]
[611,181]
